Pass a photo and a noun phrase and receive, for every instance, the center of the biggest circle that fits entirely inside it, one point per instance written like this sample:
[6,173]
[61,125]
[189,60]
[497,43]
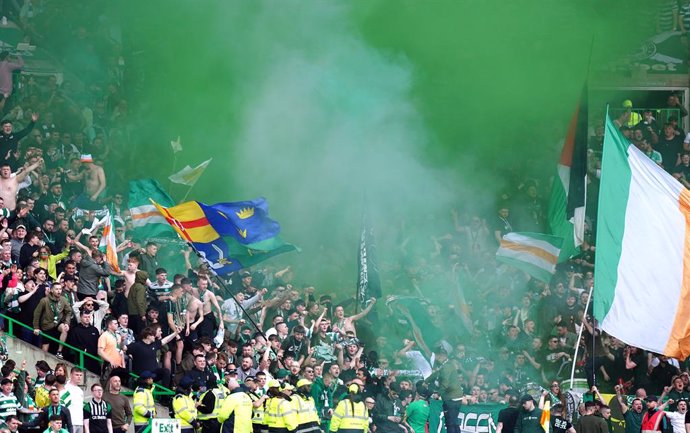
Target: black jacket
[9,144]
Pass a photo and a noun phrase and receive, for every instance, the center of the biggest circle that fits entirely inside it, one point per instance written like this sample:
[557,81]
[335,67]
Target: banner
[368,281]
[475,418]
[483,417]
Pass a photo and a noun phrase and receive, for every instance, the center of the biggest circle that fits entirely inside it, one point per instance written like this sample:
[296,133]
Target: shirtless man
[344,324]
[208,325]
[195,311]
[9,185]
[94,184]
[130,272]
[95,180]
[178,319]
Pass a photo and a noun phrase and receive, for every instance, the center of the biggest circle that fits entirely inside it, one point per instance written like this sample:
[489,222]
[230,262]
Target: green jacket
[136,300]
[50,313]
[324,396]
[448,380]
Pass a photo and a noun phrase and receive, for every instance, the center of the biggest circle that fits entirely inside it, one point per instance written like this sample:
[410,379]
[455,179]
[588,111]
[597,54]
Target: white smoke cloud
[328,118]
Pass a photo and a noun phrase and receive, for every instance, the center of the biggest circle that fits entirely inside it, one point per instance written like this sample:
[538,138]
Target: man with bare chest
[207,328]
[130,273]
[9,184]
[94,184]
[195,311]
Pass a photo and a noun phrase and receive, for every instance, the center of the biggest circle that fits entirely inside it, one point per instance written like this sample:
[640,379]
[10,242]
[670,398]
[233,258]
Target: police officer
[280,416]
[303,402]
[184,406]
[236,412]
[351,414]
[210,403]
[258,403]
[144,406]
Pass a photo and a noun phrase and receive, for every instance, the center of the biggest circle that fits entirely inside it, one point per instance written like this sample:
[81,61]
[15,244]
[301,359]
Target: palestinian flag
[566,214]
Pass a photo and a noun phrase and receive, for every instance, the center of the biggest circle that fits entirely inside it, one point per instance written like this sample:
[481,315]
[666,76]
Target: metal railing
[11,322]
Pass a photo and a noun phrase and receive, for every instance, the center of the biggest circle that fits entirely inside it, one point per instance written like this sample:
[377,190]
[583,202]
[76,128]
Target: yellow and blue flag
[246,221]
[229,236]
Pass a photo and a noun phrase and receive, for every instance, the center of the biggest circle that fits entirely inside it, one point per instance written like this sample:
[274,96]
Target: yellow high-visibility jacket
[184,407]
[350,416]
[236,413]
[144,406]
[307,417]
[280,416]
[258,411]
[214,396]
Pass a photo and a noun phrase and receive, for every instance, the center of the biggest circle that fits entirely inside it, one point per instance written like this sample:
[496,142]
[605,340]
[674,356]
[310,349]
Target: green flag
[148,222]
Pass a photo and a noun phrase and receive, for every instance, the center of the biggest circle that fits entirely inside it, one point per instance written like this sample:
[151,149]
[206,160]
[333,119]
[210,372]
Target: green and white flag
[148,222]
[533,253]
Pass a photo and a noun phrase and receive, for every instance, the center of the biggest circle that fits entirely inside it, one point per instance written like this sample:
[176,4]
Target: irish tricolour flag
[642,279]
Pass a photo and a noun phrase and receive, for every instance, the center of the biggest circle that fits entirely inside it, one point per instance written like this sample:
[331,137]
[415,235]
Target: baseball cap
[303,382]
[147,375]
[186,382]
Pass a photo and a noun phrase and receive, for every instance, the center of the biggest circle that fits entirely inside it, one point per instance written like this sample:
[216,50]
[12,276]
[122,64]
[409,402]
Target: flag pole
[239,304]
[188,191]
[579,337]
[174,168]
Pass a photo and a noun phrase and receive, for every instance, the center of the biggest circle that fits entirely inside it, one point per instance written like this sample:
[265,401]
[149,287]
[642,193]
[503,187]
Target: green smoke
[410,107]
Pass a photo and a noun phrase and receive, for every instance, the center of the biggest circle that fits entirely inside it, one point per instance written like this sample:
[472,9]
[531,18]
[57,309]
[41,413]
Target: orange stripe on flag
[538,252]
[545,420]
[678,345]
[137,216]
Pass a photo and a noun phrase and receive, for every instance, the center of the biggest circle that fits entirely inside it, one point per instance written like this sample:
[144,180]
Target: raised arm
[365,311]
[21,176]
[621,402]
[170,337]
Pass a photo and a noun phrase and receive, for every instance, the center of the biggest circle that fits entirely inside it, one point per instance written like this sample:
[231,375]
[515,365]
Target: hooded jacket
[136,300]
[89,274]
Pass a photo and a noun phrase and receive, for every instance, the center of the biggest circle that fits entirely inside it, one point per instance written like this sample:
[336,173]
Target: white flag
[188,175]
[176,145]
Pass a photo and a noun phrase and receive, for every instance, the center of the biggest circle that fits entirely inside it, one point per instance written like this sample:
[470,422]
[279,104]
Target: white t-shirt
[677,421]
[75,403]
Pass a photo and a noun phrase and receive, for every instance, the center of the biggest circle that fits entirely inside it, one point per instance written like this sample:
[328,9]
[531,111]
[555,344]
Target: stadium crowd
[264,352]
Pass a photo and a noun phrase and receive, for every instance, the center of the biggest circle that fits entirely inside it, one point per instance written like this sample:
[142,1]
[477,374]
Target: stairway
[19,350]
